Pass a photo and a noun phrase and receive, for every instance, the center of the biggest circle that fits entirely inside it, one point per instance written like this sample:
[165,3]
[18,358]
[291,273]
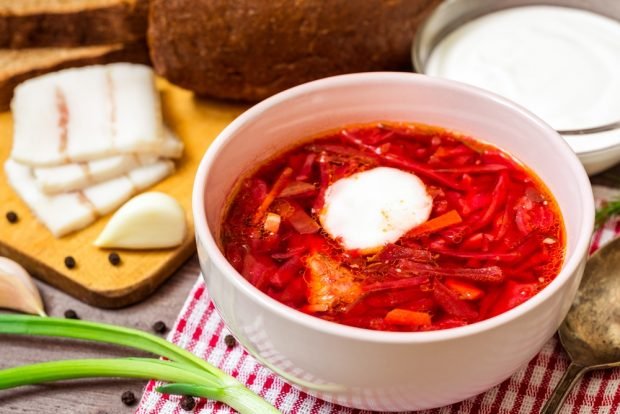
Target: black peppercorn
[160,327]
[69,262]
[114,259]
[188,403]
[128,398]
[12,217]
[230,341]
[71,314]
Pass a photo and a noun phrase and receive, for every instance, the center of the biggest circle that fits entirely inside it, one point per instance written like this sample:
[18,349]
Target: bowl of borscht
[391,241]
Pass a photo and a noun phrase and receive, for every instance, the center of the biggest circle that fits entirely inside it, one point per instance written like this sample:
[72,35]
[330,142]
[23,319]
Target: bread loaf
[250,49]
[71,23]
[17,66]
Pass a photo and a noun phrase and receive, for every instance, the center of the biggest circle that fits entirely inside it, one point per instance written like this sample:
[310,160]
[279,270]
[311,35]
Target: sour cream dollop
[369,209]
[561,63]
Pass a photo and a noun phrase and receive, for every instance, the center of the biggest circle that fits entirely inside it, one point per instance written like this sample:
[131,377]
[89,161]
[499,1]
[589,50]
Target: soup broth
[490,238]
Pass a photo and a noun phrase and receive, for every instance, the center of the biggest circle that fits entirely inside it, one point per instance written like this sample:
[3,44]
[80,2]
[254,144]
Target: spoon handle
[570,377]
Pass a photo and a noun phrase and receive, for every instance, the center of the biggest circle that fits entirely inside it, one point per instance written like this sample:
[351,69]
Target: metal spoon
[590,333]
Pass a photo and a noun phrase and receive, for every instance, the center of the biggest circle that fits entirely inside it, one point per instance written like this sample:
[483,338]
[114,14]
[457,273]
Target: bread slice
[17,66]
[71,23]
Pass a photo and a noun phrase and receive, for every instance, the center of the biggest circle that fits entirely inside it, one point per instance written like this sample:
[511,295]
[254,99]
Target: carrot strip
[464,290]
[277,187]
[406,317]
[448,219]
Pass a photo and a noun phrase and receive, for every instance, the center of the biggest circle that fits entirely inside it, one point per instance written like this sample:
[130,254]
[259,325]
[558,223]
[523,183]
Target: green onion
[144,368]
[213,393]
[78,329]
[188,374]
[607,211]
[235,397]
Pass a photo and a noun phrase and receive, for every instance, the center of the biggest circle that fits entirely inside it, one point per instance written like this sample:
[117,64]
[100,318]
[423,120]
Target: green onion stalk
[185,373]
[607,211]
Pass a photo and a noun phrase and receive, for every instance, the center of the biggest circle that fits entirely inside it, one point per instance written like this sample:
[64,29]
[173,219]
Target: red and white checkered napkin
[200,330]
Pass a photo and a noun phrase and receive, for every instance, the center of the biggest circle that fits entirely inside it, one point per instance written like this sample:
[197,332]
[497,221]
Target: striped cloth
[200,330]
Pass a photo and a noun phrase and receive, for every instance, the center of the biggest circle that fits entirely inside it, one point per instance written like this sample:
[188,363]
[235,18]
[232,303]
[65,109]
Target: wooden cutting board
[94,280]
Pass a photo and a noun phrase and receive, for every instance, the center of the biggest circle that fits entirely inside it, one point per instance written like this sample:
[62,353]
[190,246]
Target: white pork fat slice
[137,109]
[61,214]
[83,114]
[370,209]
[76,176]
[37,135]
[110,195]
[67,212]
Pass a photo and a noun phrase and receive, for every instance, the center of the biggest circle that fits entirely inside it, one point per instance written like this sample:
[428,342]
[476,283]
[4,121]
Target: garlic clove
[151,220]
[17,290]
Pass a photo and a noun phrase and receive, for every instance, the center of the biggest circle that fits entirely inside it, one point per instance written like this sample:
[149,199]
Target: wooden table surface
[101,396]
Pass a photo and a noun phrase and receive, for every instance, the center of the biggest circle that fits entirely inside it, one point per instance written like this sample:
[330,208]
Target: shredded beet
[396,284]
[449,301]
[495,236]
[395,251]
[298,189]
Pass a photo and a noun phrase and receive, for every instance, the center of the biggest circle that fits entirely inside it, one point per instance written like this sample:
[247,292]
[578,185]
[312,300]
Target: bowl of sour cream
[557,58]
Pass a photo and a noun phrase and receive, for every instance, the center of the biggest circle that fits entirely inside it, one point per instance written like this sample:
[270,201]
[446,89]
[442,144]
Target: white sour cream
[561,63]
[372,208]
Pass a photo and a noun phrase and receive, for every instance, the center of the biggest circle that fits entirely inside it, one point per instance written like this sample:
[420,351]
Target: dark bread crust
[251,49]
[136,52]
[123,22]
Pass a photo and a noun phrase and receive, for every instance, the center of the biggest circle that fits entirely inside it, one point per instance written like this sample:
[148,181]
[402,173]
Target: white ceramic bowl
[387,370]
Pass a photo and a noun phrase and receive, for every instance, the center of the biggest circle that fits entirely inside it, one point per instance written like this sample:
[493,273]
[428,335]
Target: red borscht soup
[395,227]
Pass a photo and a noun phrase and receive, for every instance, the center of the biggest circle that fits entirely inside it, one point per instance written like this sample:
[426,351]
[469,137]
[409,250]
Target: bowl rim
[206,239]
